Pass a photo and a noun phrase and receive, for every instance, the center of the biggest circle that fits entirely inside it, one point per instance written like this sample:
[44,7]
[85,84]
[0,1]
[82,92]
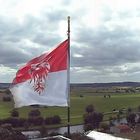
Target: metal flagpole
[68,33]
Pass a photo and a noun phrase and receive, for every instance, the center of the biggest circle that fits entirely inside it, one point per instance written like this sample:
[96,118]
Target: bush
[48,120]
[34,113]
[15,122]
[5,121]
[56,119]
[93,118]
[53,120]
[31,121]
[21,122]
[90,108]
[35,121]
[131,118]
[39,121]
[129,110]
[14,113]
[88,118]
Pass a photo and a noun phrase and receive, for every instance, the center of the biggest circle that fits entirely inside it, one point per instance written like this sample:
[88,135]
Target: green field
[78,105]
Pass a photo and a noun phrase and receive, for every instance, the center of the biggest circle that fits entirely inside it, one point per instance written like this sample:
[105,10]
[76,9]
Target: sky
[105,37]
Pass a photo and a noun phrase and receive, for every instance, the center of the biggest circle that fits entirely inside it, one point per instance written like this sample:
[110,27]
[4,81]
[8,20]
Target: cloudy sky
[105,36]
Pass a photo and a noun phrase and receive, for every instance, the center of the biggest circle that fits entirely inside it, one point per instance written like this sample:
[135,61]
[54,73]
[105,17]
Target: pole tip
[68,17]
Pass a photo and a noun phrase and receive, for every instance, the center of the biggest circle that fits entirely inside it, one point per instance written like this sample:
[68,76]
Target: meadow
[77,106]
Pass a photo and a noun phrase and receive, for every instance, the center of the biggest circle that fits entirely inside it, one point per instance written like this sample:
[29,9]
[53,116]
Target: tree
[90,108]
[131,119]
[93,119]
[56,119]
[129,110]
[53,120]
[14,113]
[97,118]
[34,113]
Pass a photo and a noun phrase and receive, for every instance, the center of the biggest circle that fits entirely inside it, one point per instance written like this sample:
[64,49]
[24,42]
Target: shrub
[21,122]
[39,121]
[87,118]
[34,113]
[53,120]
[129,110]
[35,121]
[6,121]
[56,119]
[93,118]
[48,120]
[131,118]
[31,121]
[14,113]
[15,122]
[90,108]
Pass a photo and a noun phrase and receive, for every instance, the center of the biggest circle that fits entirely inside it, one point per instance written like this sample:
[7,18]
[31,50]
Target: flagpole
[68,33]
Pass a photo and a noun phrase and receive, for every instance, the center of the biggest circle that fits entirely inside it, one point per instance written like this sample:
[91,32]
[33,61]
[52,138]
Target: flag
[43,80]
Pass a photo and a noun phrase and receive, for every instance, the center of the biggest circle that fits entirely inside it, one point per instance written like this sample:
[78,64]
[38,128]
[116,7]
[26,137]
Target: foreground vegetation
[78,104]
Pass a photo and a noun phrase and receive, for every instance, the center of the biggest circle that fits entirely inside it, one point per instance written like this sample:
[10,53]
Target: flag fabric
[43,80]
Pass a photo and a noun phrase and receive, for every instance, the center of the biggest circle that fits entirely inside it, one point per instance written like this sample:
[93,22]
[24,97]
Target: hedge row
[34,121]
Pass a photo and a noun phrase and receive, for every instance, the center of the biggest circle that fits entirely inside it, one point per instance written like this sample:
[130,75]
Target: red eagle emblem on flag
[38,73]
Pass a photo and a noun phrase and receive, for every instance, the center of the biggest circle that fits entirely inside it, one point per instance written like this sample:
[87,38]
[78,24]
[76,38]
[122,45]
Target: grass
[78,105]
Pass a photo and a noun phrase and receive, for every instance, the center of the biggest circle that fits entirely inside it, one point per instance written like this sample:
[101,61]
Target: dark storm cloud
[48,30]
[47,40]
[10,55]
[15,50]
[103,47]
[11,35]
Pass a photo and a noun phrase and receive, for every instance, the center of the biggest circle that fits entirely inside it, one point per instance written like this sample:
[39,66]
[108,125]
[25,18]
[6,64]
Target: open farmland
[79,100]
